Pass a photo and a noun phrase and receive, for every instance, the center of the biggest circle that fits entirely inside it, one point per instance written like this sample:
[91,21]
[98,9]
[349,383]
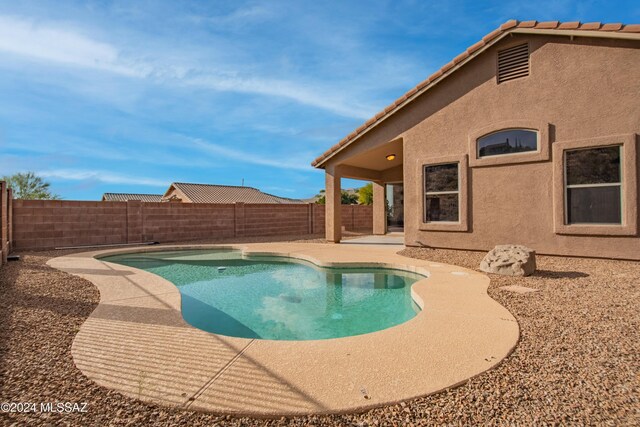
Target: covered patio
[381,164]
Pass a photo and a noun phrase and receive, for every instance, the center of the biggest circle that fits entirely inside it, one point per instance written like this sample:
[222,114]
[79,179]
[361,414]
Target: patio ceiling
[376,158]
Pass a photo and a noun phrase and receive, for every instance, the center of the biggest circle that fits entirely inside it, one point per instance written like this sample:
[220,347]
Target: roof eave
[320,162]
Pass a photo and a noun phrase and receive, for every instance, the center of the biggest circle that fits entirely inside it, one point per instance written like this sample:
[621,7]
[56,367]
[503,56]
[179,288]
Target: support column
[333,200]
[379,209]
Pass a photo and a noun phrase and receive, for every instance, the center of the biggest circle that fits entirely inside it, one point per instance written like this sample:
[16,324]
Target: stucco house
[211,193]
[530,136]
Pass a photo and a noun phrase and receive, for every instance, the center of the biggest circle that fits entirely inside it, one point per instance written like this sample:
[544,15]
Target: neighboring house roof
[591,29]
[209,193]
[123,197]
[313,199]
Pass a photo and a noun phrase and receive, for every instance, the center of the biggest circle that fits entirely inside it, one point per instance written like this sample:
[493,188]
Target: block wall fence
[5,221]
[46,224]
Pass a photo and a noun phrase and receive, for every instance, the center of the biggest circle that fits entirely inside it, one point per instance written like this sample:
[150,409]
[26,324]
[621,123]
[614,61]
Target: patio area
[570,366]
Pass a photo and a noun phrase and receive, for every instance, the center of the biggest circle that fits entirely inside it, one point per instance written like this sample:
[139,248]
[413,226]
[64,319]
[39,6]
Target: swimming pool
[279,298]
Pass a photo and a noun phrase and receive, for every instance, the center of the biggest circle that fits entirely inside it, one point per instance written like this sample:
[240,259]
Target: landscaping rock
[510,260]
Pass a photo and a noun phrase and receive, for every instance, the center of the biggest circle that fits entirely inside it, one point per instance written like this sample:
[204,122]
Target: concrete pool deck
[137,343]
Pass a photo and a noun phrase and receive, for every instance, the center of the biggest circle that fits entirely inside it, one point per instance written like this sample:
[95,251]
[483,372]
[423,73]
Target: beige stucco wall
[585,88]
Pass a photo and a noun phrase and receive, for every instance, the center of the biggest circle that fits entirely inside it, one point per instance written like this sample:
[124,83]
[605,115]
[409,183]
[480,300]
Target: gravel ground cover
[578,360]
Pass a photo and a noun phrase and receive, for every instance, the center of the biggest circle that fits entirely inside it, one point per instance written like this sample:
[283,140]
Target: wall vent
[513,63]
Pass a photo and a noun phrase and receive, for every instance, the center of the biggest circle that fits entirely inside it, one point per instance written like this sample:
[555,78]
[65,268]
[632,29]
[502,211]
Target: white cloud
[54,44]
[47,43]
[101,176]
[300,93]
[290,162]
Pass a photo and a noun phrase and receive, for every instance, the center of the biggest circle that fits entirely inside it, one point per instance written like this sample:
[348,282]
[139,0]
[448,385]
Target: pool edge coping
[298,253]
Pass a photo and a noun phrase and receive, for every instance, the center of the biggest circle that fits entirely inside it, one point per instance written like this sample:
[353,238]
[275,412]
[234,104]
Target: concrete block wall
[318,216]
[170,222]
[357,217]
[45,224]
[273,220]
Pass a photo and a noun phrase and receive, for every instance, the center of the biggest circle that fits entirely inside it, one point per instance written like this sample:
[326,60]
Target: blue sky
[128,96]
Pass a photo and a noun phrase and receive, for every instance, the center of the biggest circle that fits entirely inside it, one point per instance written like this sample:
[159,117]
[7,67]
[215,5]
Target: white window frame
[567,187]
[439,193]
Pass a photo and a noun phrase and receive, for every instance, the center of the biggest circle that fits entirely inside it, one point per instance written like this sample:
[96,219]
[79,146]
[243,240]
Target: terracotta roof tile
[527,24]
[435,75]
[475,46]
[464,55]
[573,25]
[504,28]
[412,91]
[492,35]
[633,28]
[423,84]
[509,24]
[207,193]
[590,26]
[446,67]
[548,25]
[611,27]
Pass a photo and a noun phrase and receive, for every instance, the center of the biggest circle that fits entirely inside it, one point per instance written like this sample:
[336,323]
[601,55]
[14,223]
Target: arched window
[508,141]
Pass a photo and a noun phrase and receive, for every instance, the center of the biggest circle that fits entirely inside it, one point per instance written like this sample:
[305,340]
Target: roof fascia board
[579,33]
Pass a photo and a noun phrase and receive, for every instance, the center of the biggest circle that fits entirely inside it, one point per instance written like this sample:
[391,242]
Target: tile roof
[209,193]
[597,29]
[123,197]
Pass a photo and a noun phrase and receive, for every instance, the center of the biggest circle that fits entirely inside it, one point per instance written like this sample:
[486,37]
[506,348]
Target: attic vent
[513,63]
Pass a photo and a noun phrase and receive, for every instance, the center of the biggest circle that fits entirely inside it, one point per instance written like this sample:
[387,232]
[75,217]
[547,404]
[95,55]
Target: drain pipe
[107,246]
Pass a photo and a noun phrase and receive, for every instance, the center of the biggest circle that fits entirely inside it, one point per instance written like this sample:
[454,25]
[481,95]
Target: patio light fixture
[391,157]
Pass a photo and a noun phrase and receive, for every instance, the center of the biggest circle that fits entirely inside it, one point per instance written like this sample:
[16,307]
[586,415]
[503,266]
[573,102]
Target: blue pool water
[279,298]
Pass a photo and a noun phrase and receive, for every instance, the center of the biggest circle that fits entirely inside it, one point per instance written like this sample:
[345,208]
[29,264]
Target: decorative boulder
[510,260]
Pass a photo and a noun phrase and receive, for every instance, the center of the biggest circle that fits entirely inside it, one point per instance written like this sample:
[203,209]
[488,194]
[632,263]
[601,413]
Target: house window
[508,141]
[593,186]
[442,193]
